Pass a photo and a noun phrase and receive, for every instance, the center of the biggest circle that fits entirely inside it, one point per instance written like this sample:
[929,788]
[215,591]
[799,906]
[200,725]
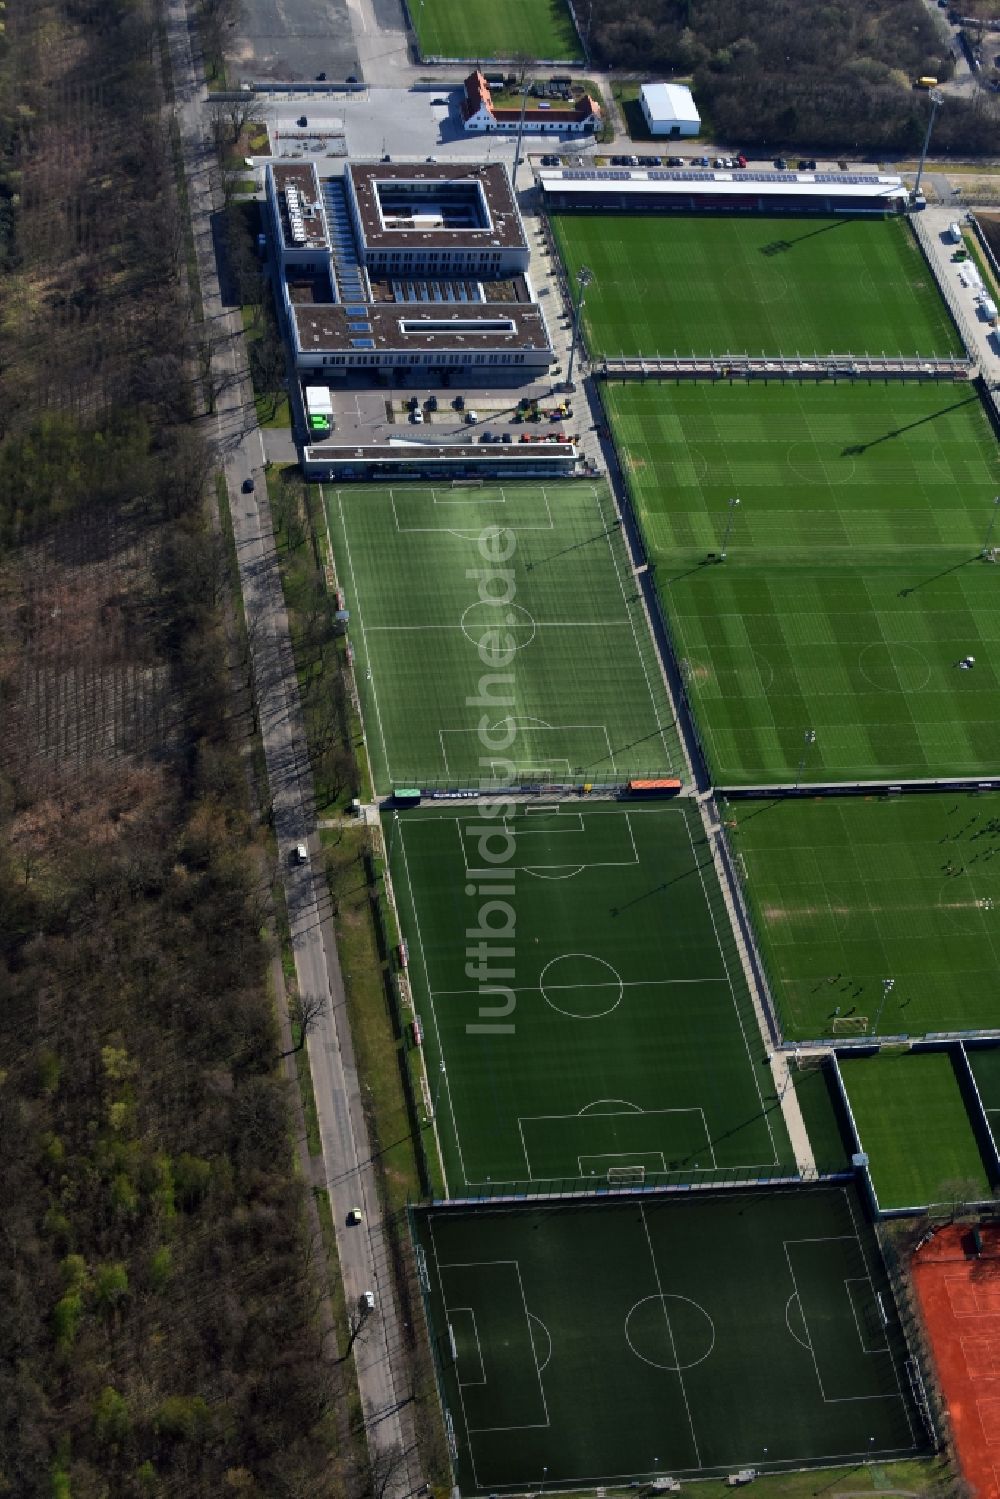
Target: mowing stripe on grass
[853,584]
[612,1026]
[500,637]
[755,285]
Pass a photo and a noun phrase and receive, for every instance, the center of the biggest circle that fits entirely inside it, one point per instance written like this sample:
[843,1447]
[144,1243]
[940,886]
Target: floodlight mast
[937,99]
[584,277]
[734,505]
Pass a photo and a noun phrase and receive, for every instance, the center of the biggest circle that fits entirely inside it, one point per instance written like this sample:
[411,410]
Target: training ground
[481,29]
[913,1124]
[616,1343]
[846,891]
[853,581]
[628,1038]
[754,285]
[582,696]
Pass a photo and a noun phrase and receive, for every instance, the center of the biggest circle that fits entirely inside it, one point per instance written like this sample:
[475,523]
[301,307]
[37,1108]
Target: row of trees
[835,78]
[158,1315]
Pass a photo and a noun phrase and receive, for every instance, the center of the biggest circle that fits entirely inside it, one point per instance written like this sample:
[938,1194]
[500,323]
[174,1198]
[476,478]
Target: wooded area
[158,1303]
[835,76]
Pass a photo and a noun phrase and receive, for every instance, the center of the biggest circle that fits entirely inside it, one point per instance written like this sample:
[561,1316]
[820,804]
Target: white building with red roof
[479,112]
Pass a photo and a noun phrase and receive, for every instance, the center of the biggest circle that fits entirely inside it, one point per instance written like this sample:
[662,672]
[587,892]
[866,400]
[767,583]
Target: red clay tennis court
[959,1293]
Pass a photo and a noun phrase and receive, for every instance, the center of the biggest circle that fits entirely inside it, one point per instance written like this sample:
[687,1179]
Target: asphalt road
[346,1151]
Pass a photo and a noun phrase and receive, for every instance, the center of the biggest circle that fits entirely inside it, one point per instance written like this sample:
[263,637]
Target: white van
[954,234]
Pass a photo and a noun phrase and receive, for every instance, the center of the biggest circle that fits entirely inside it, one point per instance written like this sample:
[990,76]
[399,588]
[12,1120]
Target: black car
[247,486]
[675,161]
[780,163]
[653,161]
[302,122]
[320,77]
[352,78]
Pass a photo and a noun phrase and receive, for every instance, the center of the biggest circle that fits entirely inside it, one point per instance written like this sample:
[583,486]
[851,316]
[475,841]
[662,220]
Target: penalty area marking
[794,1298]
[540,1366]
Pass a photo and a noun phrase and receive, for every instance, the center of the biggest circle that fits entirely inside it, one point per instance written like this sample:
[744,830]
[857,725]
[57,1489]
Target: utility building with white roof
[669,109]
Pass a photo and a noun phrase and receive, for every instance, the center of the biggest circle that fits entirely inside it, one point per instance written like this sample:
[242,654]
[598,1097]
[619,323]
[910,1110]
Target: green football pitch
[846,893]
[621,1034]
[853,582]
[985,1064]
[618,1343]
[754,285]
[483,29]
[499,635]
[914,1127]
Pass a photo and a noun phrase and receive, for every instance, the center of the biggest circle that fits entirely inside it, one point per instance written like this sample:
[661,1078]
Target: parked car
[703,161]
[302,122]
[367,1301]
[352,78]
[780,163]
[470,417]
[653,161]
[354,1217]
[300,854]
[675,161]
[741,160]
[320,77]
[417,416]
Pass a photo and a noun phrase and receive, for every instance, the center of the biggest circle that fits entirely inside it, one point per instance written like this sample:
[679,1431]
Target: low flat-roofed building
[669,109]
[392,268]
[456,216]
[448,461]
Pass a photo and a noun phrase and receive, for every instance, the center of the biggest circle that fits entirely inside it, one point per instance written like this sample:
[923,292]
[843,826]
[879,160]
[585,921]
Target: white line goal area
[498,1347]
[836,1313]
[536,750]
[612,1134]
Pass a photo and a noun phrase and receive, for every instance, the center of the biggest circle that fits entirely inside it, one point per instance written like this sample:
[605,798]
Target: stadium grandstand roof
[723,184]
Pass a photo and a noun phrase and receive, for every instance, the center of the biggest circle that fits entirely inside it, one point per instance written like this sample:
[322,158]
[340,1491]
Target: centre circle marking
[802,461]
[498,617]
[894,668]
[566,994]
[663,1316]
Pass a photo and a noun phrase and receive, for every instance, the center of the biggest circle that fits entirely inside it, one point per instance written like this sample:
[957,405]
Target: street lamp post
[937,99]
[808,739]
[520,136]
[584,277]
[993,521]
[734,505]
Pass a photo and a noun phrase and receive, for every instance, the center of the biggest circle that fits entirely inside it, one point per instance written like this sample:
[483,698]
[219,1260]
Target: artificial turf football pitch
[846,893]
[853,582]
[483,29]
[499,636]
[703,285]
[624,1342]
[914,1127]
[626,1039]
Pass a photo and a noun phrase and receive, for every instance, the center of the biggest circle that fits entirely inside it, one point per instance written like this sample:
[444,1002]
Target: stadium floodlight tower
[887,987]
[937,99]
[584,277]
[808,740]
[989,530]
[734,505]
